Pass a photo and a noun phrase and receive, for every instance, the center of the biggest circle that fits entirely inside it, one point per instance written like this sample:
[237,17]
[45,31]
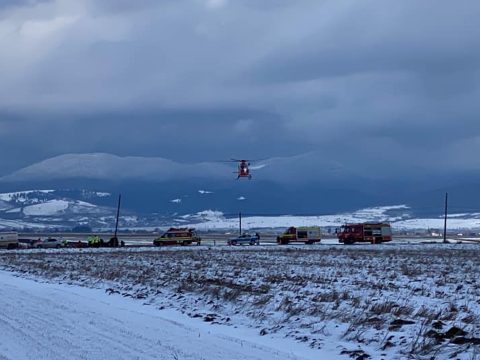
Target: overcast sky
[395,82]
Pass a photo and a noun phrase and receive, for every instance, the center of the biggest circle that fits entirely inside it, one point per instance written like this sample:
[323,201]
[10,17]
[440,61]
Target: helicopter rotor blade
[238,160]
[250,160]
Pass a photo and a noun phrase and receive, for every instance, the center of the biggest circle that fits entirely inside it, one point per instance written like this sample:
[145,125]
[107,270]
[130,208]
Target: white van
[9,240]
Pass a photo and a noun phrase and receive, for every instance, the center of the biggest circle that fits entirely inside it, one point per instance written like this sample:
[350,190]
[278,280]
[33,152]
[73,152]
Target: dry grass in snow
[389,301]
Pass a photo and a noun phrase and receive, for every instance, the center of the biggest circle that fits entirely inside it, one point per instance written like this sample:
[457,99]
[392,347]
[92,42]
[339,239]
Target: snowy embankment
[52,321]
[388,301]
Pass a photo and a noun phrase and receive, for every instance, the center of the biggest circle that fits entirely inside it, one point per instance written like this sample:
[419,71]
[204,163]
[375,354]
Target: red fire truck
[374,233]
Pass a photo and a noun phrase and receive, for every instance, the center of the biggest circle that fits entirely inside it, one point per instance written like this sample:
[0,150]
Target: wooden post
[445,220]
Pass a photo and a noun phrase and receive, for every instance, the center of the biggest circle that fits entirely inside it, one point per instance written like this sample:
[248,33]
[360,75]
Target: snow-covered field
[391,301]
[209,219]
[398,215]
[52,321]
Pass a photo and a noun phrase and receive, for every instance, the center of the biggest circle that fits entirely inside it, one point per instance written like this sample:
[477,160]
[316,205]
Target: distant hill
[54,208]
[83,189]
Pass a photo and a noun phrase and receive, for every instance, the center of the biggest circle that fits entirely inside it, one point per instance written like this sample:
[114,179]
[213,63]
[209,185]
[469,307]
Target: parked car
[245,239]
[50,243]
[34,242]
[25,243]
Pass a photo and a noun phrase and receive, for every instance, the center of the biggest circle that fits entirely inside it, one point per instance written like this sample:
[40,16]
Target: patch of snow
[4,205]
[432,223]
[464,215]
[21,195]
[206,216]
[129,220]
[84,203]
[49,208]
[18,224]
[205,192]
[14,211]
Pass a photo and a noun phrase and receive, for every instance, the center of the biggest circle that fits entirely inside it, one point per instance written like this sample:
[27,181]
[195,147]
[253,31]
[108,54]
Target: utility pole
[445,220]
[240,222]
[118,215]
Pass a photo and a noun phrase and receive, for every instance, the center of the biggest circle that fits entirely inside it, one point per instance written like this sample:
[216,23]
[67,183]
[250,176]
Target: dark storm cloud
[428,38]
[395,82]
[195,135]
[186,136]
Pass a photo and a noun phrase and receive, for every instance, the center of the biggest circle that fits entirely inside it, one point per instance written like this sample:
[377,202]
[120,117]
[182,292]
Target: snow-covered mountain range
[101,166]
[157,191]
[165,186]
[71,209]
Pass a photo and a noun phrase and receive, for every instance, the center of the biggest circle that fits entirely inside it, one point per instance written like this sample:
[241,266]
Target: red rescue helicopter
[243,170]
